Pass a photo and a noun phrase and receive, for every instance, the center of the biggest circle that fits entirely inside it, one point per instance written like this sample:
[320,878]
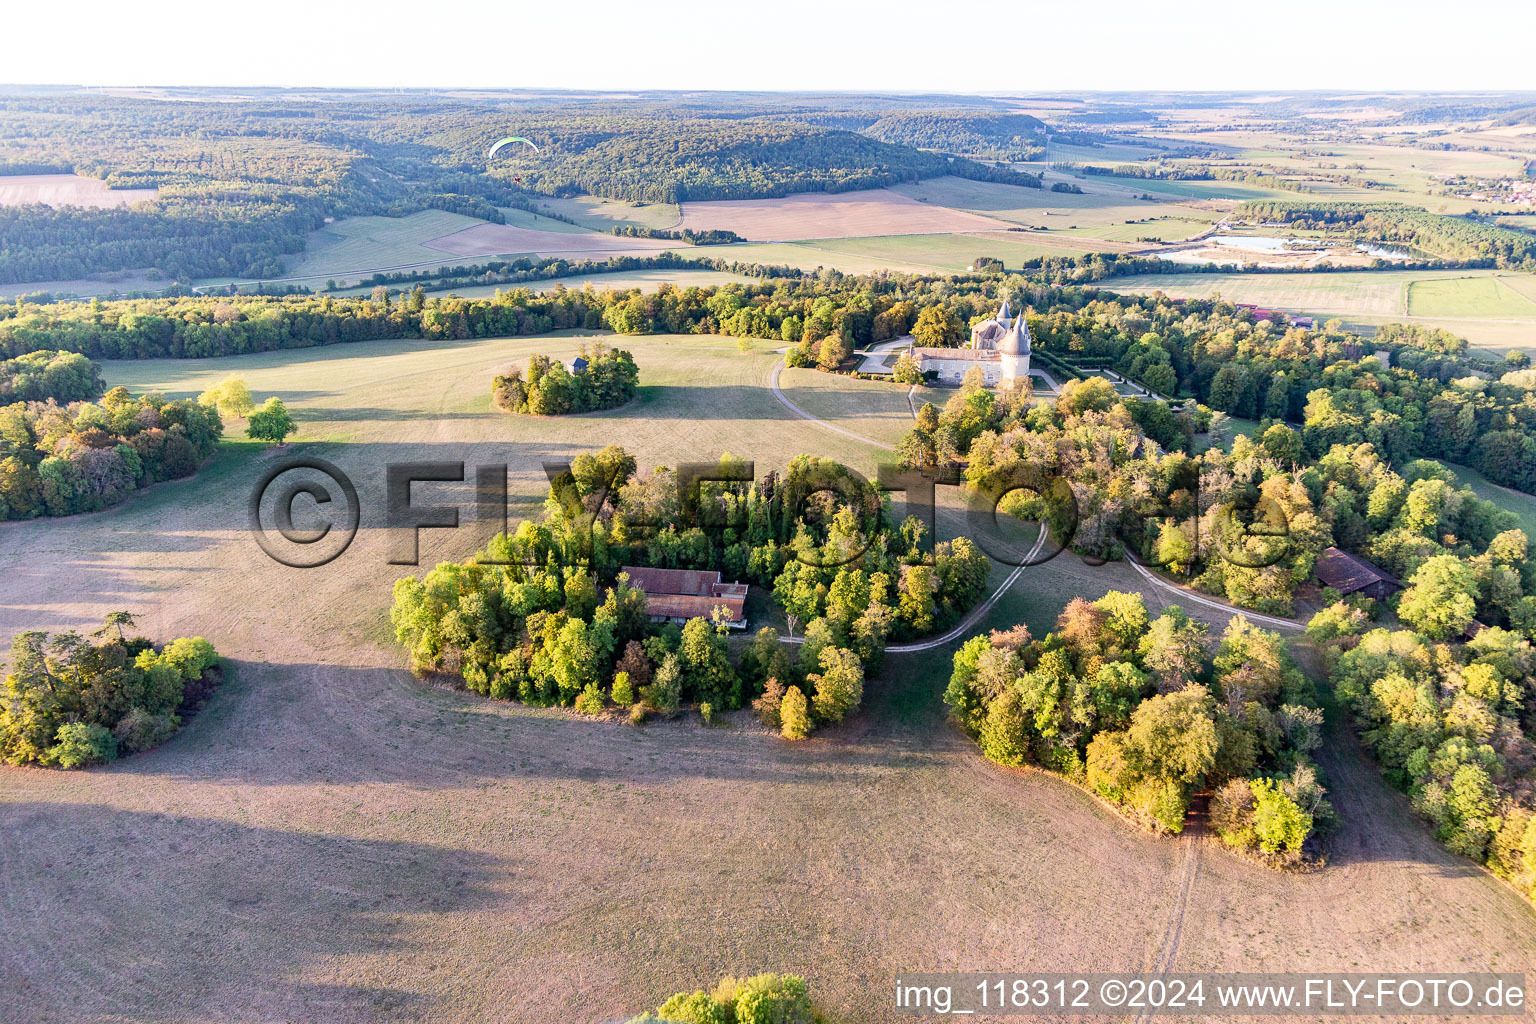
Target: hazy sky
[788,44]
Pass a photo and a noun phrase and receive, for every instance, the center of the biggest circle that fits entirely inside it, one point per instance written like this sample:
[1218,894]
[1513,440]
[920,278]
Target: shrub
[623,692]
[839,686]
[707,710]
[139,730]
[637,714]
[794,714]
[665,693]
[695,1008]
[906,370]
[1278,824]
[773,999]
[590,700]
[760,999]
[271,422]
[767,706]
[230,397]
[79,744]
[1232,814]
[192,656]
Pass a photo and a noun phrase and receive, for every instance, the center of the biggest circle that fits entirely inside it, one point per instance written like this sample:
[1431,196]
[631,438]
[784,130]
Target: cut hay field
[943,252]
[532,221]
[598,214]
[951,253]
[1363,292]
[357,247]
[1477,297]
[67,190]
[806,257]
[90,287]
[830,215]
[362,245]
[332,841]
[483,239]
[646,280]
[1494,310]
[1104,210]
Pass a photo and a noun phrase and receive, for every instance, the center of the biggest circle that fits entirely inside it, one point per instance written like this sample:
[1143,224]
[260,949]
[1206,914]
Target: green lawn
[872,409]
[524,219]
[1469,297]
[1518,502]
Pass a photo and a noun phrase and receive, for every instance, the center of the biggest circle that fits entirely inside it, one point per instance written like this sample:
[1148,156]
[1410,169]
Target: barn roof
[695,582]
[693,606]
[1348,573]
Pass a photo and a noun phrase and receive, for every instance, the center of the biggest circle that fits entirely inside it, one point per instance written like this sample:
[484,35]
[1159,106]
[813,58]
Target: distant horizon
[1016,94]
[987,47]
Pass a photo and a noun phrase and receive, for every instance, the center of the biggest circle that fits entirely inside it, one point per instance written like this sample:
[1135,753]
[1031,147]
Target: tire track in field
[1174,932]
[778,392]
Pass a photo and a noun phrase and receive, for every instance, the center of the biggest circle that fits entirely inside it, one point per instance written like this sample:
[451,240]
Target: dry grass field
[332,841]
[831,215]
[646,280]
[484,239]
[89,287]
[1495,310]
[356,247]
[67,190]
[599,214]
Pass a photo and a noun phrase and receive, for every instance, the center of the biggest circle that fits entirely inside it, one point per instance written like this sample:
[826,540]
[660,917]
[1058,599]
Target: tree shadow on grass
[299,724]
[150,916]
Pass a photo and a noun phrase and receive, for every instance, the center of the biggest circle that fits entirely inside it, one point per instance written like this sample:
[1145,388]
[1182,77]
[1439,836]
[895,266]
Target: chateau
[999,346]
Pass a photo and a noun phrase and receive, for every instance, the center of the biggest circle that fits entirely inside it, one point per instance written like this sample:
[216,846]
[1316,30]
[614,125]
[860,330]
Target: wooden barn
[1350,574]
[677,595]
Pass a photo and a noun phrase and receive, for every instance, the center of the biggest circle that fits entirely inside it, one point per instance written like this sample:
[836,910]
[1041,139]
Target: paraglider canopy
[510,138]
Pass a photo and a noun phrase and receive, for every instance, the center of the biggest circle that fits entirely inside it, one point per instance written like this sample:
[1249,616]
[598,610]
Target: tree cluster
[608,380]
[1451,725]
[83,457]
[70,701]
[760,999]
[45,376]
[546,617]
[1141,712]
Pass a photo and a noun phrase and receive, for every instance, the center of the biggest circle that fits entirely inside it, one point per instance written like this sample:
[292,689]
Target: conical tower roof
[1003,312]
[1016,341]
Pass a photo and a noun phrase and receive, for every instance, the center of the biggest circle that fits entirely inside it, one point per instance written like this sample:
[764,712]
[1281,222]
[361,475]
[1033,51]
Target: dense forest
[241,184]
[994,136]
[45,376]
